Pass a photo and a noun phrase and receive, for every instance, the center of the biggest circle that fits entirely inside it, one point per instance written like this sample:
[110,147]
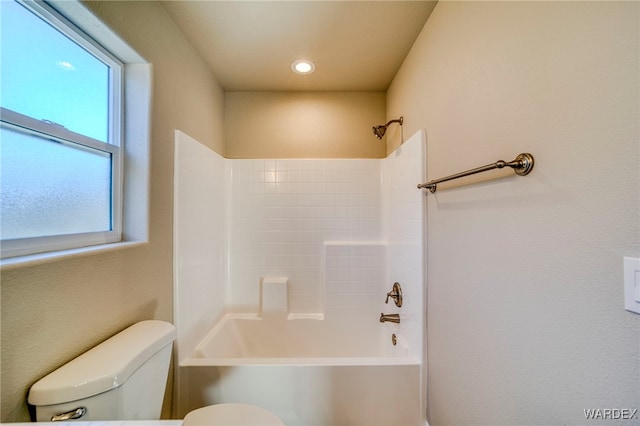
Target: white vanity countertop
[109,423]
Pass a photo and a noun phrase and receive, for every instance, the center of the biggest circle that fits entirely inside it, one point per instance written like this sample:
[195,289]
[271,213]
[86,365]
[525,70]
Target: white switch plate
[632,284]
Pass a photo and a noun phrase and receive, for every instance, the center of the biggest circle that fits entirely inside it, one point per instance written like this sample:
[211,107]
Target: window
[60,134]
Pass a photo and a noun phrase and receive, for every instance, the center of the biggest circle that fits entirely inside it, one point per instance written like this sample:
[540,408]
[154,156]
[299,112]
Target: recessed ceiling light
[303,66]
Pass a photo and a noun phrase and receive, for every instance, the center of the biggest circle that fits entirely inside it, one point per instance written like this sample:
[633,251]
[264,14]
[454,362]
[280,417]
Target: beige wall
[56,310]
[303,124]
[526,320]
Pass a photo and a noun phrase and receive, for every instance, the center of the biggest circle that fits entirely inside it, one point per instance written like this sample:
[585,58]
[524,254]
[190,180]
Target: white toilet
[124,378]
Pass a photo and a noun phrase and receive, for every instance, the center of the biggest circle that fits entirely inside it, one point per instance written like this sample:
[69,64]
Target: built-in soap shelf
[274,300]
[274,296]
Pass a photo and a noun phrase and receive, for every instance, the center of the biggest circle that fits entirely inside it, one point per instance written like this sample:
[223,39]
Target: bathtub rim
[289,362]
[195,360]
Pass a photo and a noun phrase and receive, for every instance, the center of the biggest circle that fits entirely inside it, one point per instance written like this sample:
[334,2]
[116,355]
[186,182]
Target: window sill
[41,258]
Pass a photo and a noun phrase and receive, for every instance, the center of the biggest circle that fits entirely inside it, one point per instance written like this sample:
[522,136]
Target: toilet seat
[231,414]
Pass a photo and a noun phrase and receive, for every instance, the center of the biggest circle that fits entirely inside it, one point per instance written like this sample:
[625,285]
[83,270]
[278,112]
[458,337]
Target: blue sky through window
[47,76]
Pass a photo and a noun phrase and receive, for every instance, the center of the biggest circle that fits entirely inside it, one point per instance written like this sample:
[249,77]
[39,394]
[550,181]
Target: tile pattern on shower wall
[281,213]
[354,274]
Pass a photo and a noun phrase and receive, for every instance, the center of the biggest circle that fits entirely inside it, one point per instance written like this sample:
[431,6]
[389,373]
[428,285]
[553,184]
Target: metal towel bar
[522,165]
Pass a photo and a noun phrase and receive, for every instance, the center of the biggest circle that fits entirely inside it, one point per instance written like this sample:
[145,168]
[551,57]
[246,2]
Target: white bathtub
[306,371]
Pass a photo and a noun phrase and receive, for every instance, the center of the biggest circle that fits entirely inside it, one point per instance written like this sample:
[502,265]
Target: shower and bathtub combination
[299,285]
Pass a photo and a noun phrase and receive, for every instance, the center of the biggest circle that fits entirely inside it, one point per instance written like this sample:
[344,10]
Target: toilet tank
[123,378]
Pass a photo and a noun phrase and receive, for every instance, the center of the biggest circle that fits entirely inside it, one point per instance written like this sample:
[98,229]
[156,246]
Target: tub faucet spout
[390,318]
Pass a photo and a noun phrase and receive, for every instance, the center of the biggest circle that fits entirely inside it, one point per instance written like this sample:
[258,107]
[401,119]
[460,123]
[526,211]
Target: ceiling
[250,45]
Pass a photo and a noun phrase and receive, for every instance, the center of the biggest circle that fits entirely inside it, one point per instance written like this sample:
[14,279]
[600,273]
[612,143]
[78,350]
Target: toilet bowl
[231,414]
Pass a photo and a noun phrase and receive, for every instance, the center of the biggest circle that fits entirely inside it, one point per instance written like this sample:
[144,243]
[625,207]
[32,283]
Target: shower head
[380,130]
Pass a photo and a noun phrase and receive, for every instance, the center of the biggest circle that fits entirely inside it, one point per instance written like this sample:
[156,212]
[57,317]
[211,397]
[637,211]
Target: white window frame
[24,124]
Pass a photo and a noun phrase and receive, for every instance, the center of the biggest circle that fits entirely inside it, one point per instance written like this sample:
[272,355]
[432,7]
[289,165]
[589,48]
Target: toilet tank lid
[105,366]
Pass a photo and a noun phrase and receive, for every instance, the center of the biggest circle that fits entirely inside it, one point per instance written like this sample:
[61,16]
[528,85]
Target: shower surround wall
[200,255]
[342,231]
[282,213]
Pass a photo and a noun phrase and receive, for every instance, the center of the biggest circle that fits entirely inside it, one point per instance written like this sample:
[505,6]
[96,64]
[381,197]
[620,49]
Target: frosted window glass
[50,188]
[47,76]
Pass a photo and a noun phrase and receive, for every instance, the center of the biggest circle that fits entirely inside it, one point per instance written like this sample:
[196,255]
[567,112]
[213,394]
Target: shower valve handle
[395,294]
